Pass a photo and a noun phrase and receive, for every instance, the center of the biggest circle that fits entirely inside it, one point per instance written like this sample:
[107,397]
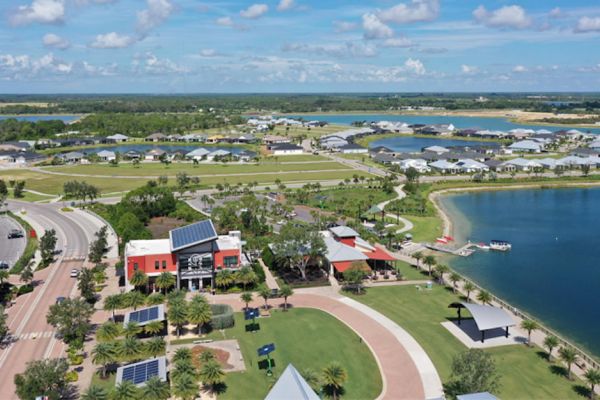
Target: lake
[34,118]
[552,272]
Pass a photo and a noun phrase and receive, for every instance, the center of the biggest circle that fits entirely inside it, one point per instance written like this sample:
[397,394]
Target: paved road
[11,249]
[33,337]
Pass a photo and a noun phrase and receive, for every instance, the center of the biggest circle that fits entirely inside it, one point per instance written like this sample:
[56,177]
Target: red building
[193,253]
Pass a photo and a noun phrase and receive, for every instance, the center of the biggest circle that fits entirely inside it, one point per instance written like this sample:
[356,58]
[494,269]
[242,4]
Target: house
[217,155]
[499,166]
[216,139]
[198,154]
[193,254]
[14,146]
[380,149]
[332,142]
[386,159]
[154,155]
[193,138]
[436,130]
[118,138]
[526,146]
[133,155]
[285,149]
[106,155]
[436,149]
[523,164]
[156,137]
[21,157]
[444,167]
[174,137]
[72,157]
[469,166]
[417,163]
[352,148]
[247,156]
[595,144]
[271,139]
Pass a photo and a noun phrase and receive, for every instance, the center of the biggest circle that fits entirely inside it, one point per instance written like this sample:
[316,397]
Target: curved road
[32,337]
[11,249]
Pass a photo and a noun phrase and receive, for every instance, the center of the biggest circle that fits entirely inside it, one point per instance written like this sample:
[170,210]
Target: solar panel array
[141,372]
[145,315]
[192,234]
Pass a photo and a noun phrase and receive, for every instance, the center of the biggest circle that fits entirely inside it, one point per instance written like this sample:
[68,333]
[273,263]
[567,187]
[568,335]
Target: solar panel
[192,234]
[128,373]
[134,316]
[141,373]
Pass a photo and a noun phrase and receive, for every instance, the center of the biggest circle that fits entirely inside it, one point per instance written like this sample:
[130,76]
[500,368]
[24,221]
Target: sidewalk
[269,279]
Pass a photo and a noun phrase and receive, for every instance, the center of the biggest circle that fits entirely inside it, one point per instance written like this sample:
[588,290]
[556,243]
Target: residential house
[106,155]
[72,157]
[156,137]
[417,163]
[436,149]
[526,146]
[272,139]
[154,155]
[217,155]
[469,166]
[198,154]
[285,149]
[117,138]
[444,167]
[524,164]
[352,148]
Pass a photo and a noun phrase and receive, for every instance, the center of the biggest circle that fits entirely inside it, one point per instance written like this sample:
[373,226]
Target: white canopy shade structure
[477,396]
[486,317]
[291,386]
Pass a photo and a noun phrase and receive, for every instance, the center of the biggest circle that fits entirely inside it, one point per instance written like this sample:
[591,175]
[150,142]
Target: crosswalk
[35,335]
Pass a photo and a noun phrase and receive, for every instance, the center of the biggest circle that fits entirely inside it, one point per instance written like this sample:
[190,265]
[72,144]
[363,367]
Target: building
[285,149]
[118,138]
[156,137]
[72,157]
[106,155]
[291,385]
[193,254]
[526,146]
[272,139]
[198,154]
[154,155]
[352,148]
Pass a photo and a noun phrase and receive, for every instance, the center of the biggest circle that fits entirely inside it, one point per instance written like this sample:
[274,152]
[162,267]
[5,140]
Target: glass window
[156,264]
[135,266]
[164,264]
[230,261]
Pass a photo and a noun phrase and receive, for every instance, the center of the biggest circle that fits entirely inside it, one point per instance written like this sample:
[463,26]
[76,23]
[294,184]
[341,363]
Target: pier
[463,251]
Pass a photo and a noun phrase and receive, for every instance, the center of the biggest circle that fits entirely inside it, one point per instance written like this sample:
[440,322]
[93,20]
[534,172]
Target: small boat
[442,240]
[449,238]
[500,245]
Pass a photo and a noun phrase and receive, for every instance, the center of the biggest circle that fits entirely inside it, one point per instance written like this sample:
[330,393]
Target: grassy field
[28,196]
[524,372]
[334,199]
[409,272]
[426,229]
[293,158]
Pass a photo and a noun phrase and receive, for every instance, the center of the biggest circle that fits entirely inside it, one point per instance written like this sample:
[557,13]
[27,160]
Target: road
[33,338]
[11,249]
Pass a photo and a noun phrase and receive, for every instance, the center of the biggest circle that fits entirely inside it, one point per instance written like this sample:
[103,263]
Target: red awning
[380,254]
[345,265]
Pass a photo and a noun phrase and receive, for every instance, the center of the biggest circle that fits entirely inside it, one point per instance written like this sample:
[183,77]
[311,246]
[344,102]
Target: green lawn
[409,272]
[340,198]
[524,373]
[28,196]
[426,229]
[294,158]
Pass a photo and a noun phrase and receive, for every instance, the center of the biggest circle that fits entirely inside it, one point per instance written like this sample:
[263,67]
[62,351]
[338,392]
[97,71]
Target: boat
[500,245]
[482,246]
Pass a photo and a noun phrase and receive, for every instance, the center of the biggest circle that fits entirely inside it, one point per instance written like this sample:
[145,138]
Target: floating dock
[463,251]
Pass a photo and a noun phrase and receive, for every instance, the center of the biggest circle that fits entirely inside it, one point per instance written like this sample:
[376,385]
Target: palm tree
[126,390]
[4,275]
[104,354]
[246,297]
[245,276]
[154,328]
[177,314]
[130,349]
[199,312]
[224,278]
[112,303]
[155,389]
[454,278]
[182,354]
[592,376]
[550,342]
[155,346]
[134,299]
[138,279]
[155,299]
[484,297]
[441,270]
[132,329]
[430,262]
[206,356]
[468,287]
[569,356]
[334,377]
[211,373]
[312,378]
[165,281]
[185,387]
[108,331]
[286,291]
[94,393]
[530,326]
[265,293]
[418,256]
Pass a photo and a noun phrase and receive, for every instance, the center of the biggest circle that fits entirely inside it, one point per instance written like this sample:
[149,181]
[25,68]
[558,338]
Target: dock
[463,251]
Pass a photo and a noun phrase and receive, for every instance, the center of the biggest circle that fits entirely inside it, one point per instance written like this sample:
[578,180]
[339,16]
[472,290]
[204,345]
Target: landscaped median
[30,247]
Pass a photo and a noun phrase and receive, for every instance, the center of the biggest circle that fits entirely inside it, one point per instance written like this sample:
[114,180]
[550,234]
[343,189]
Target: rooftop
[147,247]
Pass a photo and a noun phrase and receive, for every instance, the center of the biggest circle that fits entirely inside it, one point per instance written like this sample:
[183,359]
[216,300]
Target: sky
[230,46]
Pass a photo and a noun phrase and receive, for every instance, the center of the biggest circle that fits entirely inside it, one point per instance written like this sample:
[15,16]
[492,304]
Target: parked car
[4,265]
[60,299]
[15,233]
[74,273]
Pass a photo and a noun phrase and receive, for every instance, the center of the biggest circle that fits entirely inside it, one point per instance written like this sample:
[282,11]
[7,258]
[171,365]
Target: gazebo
[486,317]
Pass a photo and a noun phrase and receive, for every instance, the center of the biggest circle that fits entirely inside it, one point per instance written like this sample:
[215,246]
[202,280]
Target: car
[60,299]
[15,233]
[4,265]
[74,273]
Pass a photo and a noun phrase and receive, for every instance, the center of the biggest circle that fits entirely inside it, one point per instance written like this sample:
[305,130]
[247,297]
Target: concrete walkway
[400,195]
[269,279]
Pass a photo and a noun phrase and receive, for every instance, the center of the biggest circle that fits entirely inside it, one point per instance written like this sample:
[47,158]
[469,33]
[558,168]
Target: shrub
[24,289]
[260,274]
[267,257]
[76,359]
[71,376]
[222,316]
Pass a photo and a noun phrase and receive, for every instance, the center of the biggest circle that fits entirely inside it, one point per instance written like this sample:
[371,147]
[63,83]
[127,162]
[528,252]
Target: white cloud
[55,41]
[157,12]
[209,53]
[225,21]
[520,69]
[112,40]
[505,17]
[556,12]
[401,42]
[374,28]
[90,69]
[588,24]
[254,11]
[344,26]
[348,49]
[285,5]
[151,64]
[415,11]
[25,67]
[469,69]
[415,66]
[41,11]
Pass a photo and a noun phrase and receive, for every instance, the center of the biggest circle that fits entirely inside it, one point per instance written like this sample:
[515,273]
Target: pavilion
[486,317]
[291,385]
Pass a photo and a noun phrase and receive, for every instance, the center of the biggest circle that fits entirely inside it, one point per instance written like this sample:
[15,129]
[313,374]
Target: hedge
[222,316]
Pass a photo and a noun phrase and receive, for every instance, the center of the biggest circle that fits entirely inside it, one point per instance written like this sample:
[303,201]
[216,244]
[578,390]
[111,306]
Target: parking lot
[10,249]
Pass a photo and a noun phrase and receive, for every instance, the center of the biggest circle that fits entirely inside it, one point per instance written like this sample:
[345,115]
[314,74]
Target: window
[164,264]
[230,261]
[136,266]
[156,264]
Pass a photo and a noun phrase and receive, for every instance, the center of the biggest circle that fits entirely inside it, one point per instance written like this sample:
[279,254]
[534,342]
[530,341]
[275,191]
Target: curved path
[11,249]
[407,224]
[406,370]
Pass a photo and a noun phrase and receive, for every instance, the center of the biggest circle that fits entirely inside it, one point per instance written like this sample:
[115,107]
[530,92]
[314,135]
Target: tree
[104,354]
[185,386]
[211,373]
[182,354]
[473,371]
[108,332]
[165,281]
[312,378]
[132,329]
[430,262]
[94,393]
[530,326]
[183,181]
[43,378]
[26,275]
[354,276]
[125,390]
[98,247]
[177,314]
[134,299]
[199,312]
[418,256]
[441,269]
[155,346]
[484,297]
[206,356]
[3,325]
[468,287]
[154,327]
[246,297]
[569,356]
[138,279]
[71,318]
[224,278]
[86,285]
[155,389]
[334,377]
[550,342]
[155,299]
[245,276]
[265,293]
[18,189]
[47,246]
[130,349]
[454,278]
[286,291]
[297,246]
[592,376]
[113,302]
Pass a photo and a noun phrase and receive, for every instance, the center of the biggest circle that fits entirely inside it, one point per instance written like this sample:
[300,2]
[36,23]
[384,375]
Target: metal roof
[488,317]
[139,373]
[477,396]
[337,251]
[343,231]
[192,235]
[291,386]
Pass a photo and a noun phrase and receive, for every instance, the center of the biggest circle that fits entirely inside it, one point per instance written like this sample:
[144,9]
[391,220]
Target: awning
[342,266]
[380,254]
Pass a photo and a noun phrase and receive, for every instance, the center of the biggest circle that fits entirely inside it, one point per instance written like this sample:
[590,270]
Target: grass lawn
[329,199]
[28,196]
[294,158]
[307,338]
[524,374]
[409,272]
[107,384]
[426,229]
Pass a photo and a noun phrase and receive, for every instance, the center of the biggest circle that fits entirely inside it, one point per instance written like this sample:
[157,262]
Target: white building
[106,155]
[286,149]
[526,146]
[118,138]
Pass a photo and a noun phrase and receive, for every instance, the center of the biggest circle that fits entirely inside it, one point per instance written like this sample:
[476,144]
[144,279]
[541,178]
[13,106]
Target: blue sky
[191,46]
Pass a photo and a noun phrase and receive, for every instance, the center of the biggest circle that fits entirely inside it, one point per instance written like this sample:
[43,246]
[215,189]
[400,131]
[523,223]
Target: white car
[74,273]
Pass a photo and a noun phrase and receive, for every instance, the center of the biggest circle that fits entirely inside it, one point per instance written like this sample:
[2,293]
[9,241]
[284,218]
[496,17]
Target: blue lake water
[411,144]
[553,270]
[168,148]
[34,118]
